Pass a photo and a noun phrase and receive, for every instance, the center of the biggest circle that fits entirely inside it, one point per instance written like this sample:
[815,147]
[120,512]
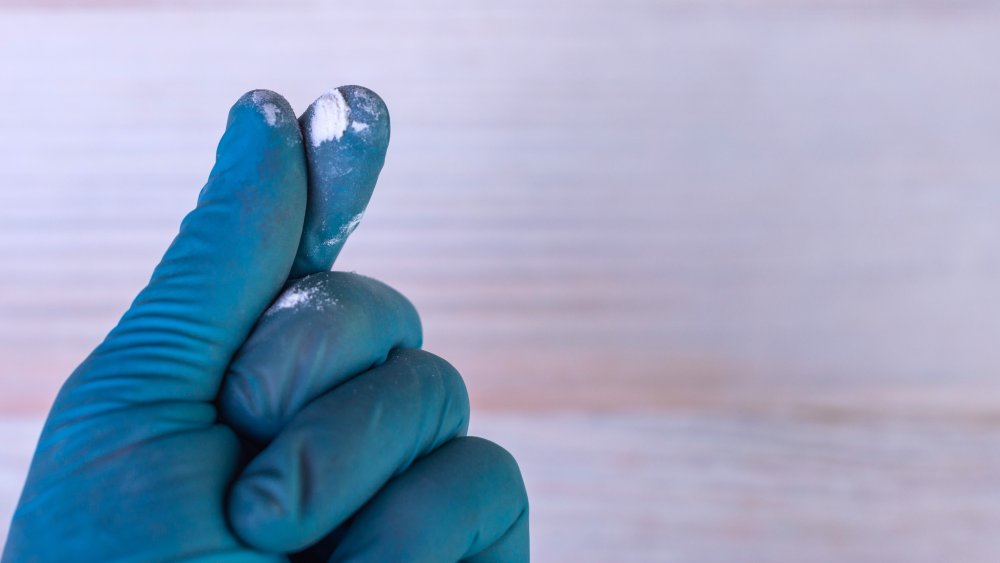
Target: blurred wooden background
[724,275]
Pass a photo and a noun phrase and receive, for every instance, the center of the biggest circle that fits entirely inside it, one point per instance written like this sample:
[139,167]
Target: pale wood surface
[725,487]
[724,275]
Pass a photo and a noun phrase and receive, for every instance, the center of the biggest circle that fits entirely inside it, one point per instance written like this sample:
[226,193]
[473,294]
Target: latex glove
[319,445]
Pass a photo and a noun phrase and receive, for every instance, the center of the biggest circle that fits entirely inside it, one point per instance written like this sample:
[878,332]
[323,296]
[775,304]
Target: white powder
[299,297]
[293,298]
[329,118]
[346,230]
[270,111]
[357,126]
[368,103]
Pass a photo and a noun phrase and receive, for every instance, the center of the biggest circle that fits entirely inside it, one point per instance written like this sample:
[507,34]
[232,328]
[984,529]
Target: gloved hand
[227,419]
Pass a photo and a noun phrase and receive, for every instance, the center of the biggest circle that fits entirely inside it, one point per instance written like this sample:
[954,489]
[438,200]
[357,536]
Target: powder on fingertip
[330,114]
[270,110]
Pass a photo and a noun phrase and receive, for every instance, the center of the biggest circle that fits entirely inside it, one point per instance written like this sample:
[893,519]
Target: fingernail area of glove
[263,110]
[346,128]
[259,121]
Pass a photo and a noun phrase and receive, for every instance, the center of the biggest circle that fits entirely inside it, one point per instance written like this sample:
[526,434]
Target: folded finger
[465,501]
[322,330]
[336,453]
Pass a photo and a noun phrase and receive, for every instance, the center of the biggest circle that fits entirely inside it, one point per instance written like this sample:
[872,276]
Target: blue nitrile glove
[250,405]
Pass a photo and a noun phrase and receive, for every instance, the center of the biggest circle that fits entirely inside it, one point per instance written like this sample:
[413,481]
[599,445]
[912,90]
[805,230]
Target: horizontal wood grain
[711,486]
[724,276]
[775,198]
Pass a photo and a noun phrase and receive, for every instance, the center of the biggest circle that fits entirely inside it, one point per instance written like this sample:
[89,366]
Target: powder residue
[330,117]
[367,102]
[294,297]
[270,110]
[312,296]
[345,230]
[358,127]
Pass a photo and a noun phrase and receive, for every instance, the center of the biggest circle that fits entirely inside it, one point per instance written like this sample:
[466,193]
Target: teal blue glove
[251,405]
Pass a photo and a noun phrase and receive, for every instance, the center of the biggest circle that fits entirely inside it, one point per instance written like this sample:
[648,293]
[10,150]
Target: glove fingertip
[346,135]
